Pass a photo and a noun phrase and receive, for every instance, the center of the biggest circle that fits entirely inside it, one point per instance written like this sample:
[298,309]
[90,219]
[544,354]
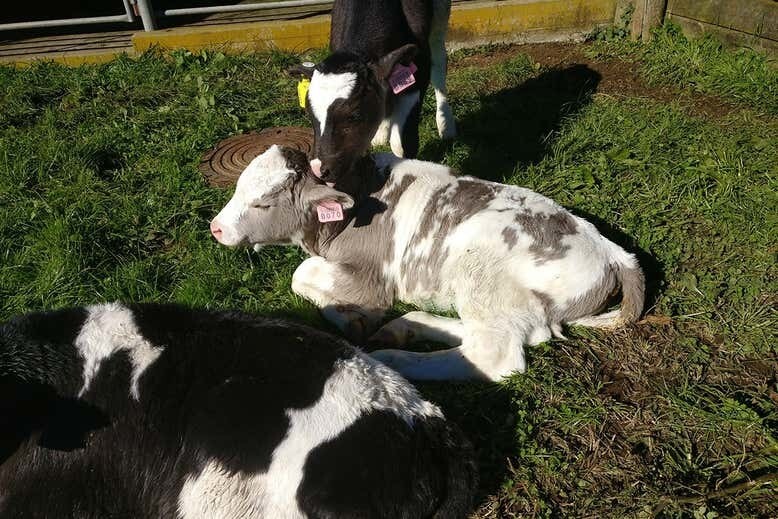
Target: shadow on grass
[515,126]
[485,413]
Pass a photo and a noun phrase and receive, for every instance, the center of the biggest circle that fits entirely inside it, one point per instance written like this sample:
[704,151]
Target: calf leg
[417,327]
[487,352]
[381,136]
[441,9]
[346,298]
[404,138]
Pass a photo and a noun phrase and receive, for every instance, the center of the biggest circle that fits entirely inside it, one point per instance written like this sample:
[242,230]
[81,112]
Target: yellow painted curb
[512,20]
[289,35]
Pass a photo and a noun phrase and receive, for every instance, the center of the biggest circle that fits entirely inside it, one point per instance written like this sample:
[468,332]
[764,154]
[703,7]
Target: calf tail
[633,289]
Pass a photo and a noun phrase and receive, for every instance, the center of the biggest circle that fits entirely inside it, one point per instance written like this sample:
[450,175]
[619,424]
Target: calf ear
[321,193]
[405,54]
[301,70]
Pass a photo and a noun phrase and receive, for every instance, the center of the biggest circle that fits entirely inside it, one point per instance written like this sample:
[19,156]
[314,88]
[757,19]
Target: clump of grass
[702,64]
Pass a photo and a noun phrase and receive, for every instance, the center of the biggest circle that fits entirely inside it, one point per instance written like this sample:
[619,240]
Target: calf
[155,411]
[352,98]
[513,264]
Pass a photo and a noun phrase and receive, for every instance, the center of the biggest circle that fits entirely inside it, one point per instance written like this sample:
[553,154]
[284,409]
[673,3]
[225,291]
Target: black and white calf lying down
[150,411]
[356,95]
[513,264]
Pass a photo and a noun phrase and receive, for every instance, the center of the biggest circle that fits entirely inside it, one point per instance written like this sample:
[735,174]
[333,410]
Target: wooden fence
[752,23]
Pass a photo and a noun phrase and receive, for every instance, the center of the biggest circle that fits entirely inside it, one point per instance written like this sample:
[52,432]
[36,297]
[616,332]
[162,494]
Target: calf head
[275,200]
[346,103]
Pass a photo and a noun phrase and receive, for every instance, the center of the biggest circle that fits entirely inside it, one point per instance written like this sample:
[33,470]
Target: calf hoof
[447,127]
[358,325]
[382,339]
[388,358]
[389,337]
[355,331]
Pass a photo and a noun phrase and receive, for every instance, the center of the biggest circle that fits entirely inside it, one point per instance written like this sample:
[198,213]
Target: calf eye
[258,205]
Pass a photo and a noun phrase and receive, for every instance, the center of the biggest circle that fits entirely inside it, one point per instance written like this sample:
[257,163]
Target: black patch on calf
[297,161]
[33,344]
[30,410]
[439,460]
[243,383]
[69,424]
[239,423]
[342,61]
[57,327]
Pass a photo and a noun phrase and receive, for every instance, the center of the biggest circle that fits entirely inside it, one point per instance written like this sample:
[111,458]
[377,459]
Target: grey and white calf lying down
[150,411]
[513,264]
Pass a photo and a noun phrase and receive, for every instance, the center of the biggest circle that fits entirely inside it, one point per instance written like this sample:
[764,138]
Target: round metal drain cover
[226,161]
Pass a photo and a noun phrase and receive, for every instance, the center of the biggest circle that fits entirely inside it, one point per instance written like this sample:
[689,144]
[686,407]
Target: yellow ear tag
[302,91]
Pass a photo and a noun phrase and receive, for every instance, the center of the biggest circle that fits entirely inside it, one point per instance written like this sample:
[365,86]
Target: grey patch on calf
[510,237]
[547,232]
[591,302]
[361,251]
[391,194]
[546,301]
[448,206]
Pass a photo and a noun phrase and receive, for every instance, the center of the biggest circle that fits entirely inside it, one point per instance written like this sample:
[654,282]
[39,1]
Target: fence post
[144,9]
[648,15]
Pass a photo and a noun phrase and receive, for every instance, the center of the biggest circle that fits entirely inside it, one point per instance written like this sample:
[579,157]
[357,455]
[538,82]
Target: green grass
[703,65]
[101,199]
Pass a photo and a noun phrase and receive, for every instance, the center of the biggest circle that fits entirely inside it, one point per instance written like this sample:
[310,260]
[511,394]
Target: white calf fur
[325,89]
[108,329]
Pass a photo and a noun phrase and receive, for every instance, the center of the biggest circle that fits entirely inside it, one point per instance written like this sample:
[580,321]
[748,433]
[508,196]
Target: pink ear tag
[402,77]
[329,211]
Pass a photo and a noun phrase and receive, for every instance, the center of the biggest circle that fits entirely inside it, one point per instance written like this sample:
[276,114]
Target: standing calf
[513,264]
[150,411]
[350,100]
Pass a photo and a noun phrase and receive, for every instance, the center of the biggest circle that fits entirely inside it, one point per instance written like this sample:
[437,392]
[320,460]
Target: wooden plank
[54,44]
[757,17]
[648,15]
[729,37]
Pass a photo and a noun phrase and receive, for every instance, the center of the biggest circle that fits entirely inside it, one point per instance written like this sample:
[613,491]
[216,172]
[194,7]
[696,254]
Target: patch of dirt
[619,77]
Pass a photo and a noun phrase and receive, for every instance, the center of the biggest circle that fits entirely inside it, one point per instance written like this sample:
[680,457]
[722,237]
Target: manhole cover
[223,165]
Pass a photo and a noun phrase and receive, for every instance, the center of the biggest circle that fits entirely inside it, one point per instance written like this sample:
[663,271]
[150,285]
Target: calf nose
[321,172]
[216,230]
[316,167]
